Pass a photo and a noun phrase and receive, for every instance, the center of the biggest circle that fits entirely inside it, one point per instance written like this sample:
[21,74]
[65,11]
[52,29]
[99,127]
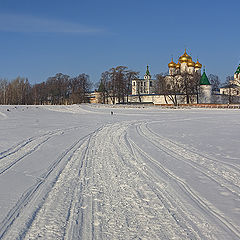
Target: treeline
[59,89]
[116,84]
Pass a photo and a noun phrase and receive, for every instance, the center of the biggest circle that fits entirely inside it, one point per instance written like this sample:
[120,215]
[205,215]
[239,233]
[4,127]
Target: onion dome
[198,64]
[191,63]
[178,65]
[184,58]
[172,64]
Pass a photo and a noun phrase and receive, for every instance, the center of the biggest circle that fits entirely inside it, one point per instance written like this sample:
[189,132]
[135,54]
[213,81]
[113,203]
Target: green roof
[204,79]
[147,72]
[238,69]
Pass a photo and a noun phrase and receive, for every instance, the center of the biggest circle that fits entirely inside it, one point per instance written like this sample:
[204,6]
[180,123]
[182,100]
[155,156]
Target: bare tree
[17,91]
[57,88]
[160,86]
[3,91]
[170,87]
[214,80]
[103,87]
[80,86]
[130,75]
[229,86]
[195,85]
[40,94]
[116,83]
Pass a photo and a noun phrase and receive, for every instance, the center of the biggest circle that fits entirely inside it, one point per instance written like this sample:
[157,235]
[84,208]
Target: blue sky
[41,38]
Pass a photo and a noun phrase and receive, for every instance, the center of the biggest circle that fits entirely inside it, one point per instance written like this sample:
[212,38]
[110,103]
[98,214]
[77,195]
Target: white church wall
[205,95]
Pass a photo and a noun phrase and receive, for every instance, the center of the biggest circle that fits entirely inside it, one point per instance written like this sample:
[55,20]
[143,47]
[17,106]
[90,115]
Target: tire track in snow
[52,218]
[203,203]
[23,149]
[55,218]
[22,214]
[224,174]
[192,150]
[99,195]
[105,190]
[118,200]
[194,225]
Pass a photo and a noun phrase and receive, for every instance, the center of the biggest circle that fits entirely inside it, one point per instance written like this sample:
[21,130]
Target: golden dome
[178,65]
[198,64]
[191,63]
[172,64]
[185,57]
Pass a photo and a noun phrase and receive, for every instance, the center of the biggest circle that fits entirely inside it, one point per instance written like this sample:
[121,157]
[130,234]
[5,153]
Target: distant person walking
[111,112]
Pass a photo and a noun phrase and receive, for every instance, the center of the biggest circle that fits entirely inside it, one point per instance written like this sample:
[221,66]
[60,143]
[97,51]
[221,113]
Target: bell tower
[147,75]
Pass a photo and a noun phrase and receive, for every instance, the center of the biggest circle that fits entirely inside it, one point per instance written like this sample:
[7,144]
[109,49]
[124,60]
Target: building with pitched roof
[237,75]
[233,87]
[205,89]
[177,73]
[184,72]
[143,86]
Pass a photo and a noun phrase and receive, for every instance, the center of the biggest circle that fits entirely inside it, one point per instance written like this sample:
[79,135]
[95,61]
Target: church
[185,65]
[146,87]
[185,71]
[143,86]
[233,88]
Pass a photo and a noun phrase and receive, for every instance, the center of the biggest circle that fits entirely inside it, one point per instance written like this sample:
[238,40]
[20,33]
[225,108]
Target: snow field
[118,179]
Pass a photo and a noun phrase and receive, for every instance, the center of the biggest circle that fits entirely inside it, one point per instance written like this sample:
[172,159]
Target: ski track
[21,215]
[224,174]
[203,204]
[103,188]
[18,152]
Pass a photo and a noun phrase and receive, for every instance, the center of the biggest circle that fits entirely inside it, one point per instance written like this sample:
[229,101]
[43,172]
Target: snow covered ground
[78,172]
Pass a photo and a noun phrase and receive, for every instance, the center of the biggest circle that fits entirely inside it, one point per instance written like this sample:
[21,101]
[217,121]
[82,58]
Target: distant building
[143,86]
[233,87]
[177,71]
[205,89]
[149,91]
[185,65]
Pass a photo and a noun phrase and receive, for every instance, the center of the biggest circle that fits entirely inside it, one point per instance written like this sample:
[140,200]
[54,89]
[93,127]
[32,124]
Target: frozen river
[78,172]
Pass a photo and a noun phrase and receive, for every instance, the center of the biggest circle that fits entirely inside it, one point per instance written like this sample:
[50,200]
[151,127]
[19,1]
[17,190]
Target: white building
[237,76]
[205,89]
[233,88]
[146,87]
[143,86]
[185,65]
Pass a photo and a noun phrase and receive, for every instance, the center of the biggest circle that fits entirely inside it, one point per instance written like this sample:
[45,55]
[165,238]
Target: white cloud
[25,23]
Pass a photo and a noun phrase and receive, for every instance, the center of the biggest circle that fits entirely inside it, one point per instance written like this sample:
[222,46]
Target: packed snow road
[78,172]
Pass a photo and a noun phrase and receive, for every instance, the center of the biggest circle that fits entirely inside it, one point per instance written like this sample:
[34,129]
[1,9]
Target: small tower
[237,74]
[172,67]
[191,66]
[184,59]
[205,93]
[198,67]
[148,81]
[147,75]
[178,66]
